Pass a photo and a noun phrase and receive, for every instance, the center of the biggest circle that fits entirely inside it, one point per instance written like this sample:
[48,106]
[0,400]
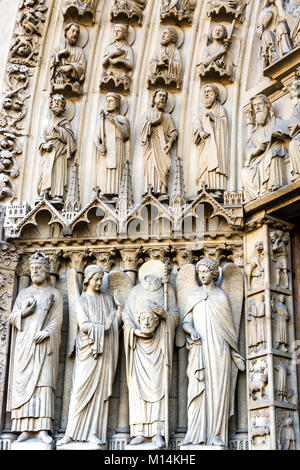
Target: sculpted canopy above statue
[68,64]
[36,318]
[266,150]
[232,7]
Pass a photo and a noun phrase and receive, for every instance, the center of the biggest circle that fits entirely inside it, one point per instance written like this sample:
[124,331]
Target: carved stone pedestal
[198,447]
[119,441]
[81,446]
[31,444]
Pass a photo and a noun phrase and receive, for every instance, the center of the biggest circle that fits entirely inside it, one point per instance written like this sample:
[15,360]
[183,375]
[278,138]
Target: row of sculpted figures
[204,313]
[272,152]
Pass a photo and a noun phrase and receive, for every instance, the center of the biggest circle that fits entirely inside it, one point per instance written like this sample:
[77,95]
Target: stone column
[8,265]
[270,338]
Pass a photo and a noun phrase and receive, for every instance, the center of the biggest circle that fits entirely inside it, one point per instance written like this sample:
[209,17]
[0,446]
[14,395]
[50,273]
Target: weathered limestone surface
[149,165]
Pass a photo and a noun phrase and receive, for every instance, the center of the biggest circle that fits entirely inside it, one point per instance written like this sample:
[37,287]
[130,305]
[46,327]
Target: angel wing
[186,282]
[120,285]
[73,297]
[233,285]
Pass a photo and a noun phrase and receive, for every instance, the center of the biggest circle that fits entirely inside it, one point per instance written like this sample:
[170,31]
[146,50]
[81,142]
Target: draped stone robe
[34,367]
[119,71]
[157,162]
[173,67]
[213,151]
[210,370]
[109,166]
[148,362]
[75,58]
[93,378]
[294,149]
[54,168]
[265,171]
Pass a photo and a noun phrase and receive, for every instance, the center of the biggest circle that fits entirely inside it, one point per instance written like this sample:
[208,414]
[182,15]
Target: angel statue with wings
[150,317]
[211,323]
[97,317]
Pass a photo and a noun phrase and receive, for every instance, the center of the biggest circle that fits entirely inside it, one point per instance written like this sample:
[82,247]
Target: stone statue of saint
[281,318]
[213,359]
[257,325]
[57,148]
[68,64]
[158,135]
[273,31]
[255,267]
[118,59]
[167,63]
[97,346]
[266,150]
[211,136]
[217,57]
[280,259]
[112,133]
[294,127]
[149,329]
[36,318]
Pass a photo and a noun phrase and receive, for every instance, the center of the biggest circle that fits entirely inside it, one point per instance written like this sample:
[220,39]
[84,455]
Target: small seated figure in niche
[129,8]
[235,8]
[255,267]
[167,63]
[294,128]
[68,64]
[118,59]
[217,57]
[266,150]
[181,10]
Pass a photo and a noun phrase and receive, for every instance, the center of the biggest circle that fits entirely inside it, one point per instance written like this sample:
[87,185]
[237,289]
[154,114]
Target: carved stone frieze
[180,10]
[130,9]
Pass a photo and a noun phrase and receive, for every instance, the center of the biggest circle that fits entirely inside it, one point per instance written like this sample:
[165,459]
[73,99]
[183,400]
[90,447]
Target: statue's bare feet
[45,437]
[159,441]
[64,441]
[24,436]
[137,440]
[95,440]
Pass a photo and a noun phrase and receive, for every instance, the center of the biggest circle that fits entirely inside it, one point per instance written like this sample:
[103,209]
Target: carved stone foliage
[179,10]
[22,59]
[118,58]
[218,60]
[68,63]
[83,10]
[130,9]
[211,136]
[166,64]
[274,31]
[266,151]
[230,8]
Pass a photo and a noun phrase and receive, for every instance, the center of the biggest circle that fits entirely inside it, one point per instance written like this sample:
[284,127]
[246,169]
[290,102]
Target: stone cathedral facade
[147,143]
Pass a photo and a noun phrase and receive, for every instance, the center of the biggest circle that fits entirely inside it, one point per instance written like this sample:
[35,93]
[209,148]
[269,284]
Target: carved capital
[130,259]
[184,256]
[160,254]
[105,258]
[77,259]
